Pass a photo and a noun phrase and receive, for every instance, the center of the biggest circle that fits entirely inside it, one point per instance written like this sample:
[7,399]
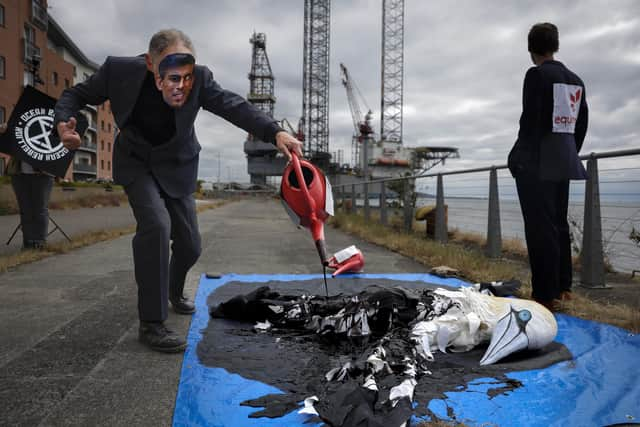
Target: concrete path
[68,324]
[73,222]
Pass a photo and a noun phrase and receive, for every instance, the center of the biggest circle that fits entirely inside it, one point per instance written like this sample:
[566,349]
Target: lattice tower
[315,80]
[392,70]
[261,80]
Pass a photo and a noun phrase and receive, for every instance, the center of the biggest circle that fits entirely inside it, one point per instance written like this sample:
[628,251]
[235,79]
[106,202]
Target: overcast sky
[463,71]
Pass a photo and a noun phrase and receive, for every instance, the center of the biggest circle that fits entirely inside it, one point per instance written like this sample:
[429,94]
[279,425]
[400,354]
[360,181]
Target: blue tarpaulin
[600,386]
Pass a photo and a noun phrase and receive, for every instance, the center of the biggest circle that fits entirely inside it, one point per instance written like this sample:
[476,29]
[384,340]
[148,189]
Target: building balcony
[88,146]
[84,168]
[39,16]
[30,52]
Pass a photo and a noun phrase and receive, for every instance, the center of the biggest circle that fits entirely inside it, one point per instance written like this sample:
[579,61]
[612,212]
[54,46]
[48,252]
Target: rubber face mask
[175,78]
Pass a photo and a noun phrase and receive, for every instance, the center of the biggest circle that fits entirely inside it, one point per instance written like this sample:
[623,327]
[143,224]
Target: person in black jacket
[155,99]
[544,158]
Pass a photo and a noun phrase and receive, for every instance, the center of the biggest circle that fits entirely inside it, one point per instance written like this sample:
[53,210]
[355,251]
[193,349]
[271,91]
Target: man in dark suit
[155,99]
[553,125]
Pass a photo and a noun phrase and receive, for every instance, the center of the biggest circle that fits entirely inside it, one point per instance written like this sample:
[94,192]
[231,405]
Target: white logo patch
[33,135]
[566,106]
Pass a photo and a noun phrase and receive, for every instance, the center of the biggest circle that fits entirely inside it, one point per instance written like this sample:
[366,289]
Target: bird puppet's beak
[509,336]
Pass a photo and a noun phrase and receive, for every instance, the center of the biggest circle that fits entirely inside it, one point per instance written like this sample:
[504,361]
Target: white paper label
[566,106]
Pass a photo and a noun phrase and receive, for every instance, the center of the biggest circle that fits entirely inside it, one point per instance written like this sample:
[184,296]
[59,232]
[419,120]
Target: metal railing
[84,168]
[88,146]
[39,15]
[29,51]
[467,195]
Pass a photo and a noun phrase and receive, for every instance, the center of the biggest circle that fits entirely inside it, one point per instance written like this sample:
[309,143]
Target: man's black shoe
[182,305]
[158,337]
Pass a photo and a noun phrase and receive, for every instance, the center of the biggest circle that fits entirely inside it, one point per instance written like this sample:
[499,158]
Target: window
[54,78]
[67,83]
[109,147]
[109,124]
[3,74]
[102,164]
[102,147]
[75,71]
[1,15]
[102,124]
[108,165]
[2,115]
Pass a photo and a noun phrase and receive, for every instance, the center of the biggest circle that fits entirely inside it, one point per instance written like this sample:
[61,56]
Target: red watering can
[307,197]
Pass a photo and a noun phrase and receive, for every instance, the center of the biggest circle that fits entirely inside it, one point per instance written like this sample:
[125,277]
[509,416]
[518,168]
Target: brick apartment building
[35,50]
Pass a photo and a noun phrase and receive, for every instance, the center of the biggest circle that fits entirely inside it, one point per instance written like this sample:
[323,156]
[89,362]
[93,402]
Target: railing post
[494,234]
[408,209]
[366,201]
[383,203]
[592,255]
[441,224]
[353,199]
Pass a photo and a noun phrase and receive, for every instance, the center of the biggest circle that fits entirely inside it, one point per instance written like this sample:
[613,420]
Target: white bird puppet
[462,319]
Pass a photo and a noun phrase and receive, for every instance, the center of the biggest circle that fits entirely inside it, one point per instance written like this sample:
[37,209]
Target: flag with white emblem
[30,136]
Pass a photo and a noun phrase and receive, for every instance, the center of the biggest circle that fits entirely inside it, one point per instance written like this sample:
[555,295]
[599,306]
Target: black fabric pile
[320,346]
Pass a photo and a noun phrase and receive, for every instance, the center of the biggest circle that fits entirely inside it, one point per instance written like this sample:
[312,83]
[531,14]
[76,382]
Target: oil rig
[263,159]
[372,156]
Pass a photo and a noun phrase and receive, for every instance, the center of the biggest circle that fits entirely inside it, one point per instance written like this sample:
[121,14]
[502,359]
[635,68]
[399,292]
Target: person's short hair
[165,38]
[543,39]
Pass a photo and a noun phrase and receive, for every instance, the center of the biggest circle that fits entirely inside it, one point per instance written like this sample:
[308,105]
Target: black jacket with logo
[553,125]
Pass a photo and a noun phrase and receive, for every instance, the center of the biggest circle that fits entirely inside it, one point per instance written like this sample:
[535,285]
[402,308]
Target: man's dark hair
[543,39]
[175,60]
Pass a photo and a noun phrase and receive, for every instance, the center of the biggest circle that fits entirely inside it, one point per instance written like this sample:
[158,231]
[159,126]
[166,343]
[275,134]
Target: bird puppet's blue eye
[524,315]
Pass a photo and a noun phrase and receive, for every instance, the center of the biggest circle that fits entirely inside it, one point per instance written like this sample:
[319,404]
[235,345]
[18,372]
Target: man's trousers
[544,207]
[33,192]
[161,220]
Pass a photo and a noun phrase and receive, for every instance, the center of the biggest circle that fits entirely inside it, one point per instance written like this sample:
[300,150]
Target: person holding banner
[155,99]
[32,188]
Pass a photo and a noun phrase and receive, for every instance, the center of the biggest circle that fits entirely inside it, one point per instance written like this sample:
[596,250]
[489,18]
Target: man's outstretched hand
[68,135]
[287,143]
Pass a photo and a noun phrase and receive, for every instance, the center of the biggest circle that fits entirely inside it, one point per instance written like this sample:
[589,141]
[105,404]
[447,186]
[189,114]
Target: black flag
[29,135]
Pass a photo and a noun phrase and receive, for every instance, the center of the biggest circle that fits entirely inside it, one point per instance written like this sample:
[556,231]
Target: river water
[618,219]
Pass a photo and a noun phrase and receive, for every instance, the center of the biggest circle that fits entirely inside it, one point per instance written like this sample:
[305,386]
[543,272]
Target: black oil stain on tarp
[297,361]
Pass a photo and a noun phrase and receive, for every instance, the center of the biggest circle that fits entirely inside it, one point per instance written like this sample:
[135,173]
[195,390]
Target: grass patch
[464,253]
[471,263]
[92,201]
[82,240]
[79,241]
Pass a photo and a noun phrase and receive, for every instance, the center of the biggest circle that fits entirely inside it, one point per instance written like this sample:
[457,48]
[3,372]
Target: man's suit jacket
[173,164]
[553,125]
